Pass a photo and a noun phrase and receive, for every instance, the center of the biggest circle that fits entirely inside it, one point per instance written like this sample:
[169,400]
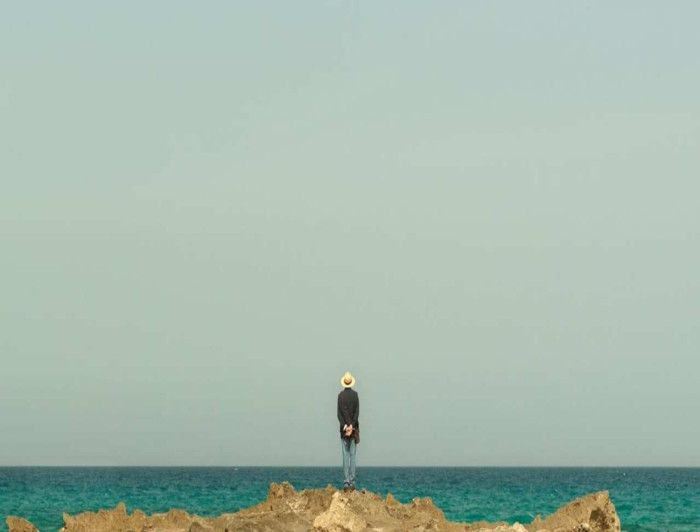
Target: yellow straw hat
[348,381]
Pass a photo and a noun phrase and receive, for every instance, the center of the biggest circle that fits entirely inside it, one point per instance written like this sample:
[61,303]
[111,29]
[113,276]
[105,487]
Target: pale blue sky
[487,211]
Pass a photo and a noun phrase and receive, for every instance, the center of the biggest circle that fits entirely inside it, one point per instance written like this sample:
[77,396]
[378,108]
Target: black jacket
[348,409]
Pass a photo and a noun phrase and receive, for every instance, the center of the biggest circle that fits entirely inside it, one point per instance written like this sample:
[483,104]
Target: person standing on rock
[348,416]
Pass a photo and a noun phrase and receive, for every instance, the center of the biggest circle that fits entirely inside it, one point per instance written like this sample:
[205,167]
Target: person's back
[351,400]
[348,417]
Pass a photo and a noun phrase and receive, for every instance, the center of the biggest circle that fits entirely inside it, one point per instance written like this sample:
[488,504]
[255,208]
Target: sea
[646,499]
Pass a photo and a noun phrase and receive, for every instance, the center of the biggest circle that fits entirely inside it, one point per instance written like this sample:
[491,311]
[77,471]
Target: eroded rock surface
[593,513]
[17,524]
[329,510]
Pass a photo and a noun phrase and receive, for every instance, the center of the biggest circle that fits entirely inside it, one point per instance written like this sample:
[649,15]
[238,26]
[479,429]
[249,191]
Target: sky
[486,211]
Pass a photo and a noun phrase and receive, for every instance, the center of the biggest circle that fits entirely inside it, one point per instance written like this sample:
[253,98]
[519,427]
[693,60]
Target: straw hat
[348,381]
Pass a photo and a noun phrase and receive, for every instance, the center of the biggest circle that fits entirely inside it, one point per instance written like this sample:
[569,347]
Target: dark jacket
[348,409]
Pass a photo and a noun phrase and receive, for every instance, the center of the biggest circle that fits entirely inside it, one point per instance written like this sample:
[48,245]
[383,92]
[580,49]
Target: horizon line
[172,466]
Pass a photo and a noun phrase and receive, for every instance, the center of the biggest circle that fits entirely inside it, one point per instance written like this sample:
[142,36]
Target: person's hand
[348,430]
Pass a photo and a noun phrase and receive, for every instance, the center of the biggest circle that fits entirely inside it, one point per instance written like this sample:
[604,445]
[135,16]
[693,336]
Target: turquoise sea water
[648,499]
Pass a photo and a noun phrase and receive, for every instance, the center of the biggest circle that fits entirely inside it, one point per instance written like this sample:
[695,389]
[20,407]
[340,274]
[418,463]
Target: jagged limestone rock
[329,510]
[339,517]
[592,513]
[17,524]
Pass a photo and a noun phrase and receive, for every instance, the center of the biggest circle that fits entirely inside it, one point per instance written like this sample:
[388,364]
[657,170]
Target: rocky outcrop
[593,513]
[329,510]
[118,520]
[17,524]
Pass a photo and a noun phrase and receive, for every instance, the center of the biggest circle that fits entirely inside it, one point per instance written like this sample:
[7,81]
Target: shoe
[352,487]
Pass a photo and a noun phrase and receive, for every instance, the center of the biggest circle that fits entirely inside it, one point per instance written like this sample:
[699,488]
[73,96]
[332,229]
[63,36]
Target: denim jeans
[349,448]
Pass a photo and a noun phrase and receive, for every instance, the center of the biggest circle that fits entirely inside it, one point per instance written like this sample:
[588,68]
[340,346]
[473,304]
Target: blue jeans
[349,448]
